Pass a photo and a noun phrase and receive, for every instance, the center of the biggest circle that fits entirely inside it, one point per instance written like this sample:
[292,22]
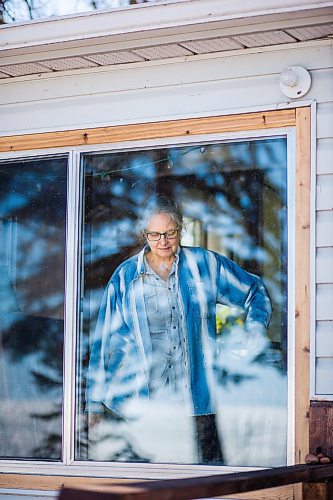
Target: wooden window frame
[297,118]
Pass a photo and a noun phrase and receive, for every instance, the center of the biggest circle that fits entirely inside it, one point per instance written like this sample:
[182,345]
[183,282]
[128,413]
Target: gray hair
[161,205]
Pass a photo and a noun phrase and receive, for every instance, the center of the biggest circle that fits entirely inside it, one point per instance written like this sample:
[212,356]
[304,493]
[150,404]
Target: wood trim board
[298,118]
[302,297]
[155,130]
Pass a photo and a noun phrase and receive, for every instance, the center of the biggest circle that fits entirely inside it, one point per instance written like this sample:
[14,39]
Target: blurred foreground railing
[317,483]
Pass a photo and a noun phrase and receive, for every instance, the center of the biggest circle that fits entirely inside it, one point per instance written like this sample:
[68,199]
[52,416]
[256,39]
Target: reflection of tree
[224,377]
[237,191]
[273,356]
[32,236]
[23,10]
[126,451]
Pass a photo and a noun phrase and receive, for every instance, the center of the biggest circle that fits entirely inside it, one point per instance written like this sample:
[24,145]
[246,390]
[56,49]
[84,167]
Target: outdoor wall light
[295,81]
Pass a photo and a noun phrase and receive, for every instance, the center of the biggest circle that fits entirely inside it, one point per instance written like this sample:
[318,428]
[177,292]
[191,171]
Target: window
[32,260]
[237,199]
[234,199]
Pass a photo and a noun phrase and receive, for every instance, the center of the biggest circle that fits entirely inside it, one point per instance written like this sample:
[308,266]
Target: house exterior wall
[218,84]
[175,88]
[224,83]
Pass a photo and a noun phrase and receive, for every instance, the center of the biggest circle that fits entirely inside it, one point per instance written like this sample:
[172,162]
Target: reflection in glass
[233,198]
[32,250]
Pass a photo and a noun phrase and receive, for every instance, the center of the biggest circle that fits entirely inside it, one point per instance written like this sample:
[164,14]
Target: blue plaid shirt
[122,351]
[168,374]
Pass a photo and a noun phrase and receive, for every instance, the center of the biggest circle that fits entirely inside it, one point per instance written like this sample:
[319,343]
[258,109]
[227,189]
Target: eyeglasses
[156,236]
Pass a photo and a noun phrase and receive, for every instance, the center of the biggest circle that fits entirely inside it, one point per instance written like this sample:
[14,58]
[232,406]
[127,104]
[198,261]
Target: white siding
[324,243]
[324,339]
[325,228]
[187,87]
[324,156]
[195,86]
[324,302]
[324,352]
[140,105]
[325,192]
[324,382]
[324,265]
[324,119]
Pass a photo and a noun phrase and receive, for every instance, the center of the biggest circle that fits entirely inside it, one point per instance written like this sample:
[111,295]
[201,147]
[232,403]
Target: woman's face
[165,247]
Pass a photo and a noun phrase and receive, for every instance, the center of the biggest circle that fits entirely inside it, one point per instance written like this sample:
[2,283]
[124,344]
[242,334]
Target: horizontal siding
[158,91]
[324,381]
[320,87]
[324,242]
[324,258]
[324,267]
[324,306]
[130,106]
[324,236]
[325,155]
[154,75]
[324,339]
[324,119]
[140,106]
[324,198]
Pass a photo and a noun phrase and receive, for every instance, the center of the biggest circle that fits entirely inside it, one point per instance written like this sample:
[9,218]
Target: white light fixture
[295,82]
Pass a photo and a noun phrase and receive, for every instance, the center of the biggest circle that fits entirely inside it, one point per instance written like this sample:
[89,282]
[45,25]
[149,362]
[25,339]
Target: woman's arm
[239,288]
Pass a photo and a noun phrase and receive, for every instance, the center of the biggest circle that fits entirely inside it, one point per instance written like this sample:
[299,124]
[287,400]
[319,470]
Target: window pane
[181,367]
[32,250]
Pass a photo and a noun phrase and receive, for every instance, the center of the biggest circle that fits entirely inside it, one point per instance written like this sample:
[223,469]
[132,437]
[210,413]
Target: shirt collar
[141,267]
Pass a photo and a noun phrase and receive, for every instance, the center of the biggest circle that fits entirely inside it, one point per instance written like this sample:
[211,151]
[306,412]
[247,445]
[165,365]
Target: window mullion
[72,264]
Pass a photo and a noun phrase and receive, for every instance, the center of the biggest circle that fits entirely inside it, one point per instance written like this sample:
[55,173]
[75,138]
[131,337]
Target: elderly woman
[155,337]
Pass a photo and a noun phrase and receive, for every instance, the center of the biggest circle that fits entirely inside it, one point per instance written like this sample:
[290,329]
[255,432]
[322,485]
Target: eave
[159,30]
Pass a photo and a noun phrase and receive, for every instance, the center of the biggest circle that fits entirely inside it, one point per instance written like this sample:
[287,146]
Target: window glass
[32,256]
[180,367]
